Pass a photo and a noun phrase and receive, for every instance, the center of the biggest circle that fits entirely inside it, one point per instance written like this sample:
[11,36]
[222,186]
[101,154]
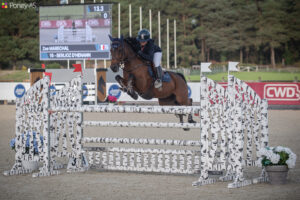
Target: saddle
[165,77]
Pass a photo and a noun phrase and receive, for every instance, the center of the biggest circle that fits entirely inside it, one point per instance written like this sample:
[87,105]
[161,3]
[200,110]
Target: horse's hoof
[191,121]
[135,96]
[117,78]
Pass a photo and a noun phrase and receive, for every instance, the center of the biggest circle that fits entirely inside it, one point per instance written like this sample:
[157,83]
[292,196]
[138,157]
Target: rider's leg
[157,60]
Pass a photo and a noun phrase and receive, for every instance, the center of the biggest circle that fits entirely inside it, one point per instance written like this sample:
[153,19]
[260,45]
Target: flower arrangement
[111,99]
[277,156]
[35,151]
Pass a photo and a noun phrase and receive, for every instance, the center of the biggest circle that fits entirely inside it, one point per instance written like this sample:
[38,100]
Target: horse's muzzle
[114,67]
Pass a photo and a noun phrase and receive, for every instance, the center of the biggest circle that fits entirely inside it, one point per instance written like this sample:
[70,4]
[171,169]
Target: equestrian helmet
[143,35]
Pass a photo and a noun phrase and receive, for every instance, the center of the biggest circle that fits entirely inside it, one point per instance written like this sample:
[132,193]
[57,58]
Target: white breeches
[157,59]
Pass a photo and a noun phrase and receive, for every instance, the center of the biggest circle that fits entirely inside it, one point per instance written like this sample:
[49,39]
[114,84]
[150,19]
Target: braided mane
[133,43]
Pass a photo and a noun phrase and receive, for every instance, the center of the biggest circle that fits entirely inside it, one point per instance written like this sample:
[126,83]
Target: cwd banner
[278,93]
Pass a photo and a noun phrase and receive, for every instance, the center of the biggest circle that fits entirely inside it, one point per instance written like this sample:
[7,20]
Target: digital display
[75,32]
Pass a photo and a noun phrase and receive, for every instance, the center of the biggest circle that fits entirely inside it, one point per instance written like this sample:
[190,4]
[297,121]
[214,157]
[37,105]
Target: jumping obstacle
[233,124]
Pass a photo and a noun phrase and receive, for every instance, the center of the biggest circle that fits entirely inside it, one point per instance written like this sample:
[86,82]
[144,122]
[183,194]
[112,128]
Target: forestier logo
[19,5]
[282,92]
[114,90]
[4,5]
[19,90]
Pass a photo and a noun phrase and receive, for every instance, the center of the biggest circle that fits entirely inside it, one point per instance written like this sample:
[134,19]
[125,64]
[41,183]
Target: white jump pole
[150,22]
[175,50]
[159,39]
[130,30]
[119,20]
[141,18]
[168,53]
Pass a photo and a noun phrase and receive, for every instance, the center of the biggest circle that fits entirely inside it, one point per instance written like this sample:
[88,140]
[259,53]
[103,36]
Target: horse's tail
[181,75]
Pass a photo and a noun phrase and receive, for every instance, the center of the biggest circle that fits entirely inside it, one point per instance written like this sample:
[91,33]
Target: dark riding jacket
[148,52]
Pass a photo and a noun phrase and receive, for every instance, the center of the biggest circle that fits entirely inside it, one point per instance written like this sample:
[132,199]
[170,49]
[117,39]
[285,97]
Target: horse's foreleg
[126,86]
[122,83]
[131,92]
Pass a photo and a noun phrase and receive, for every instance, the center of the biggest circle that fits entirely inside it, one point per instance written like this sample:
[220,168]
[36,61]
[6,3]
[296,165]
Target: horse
[137,80]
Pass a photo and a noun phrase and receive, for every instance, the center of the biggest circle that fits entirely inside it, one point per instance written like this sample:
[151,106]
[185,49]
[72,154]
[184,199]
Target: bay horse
[137,80]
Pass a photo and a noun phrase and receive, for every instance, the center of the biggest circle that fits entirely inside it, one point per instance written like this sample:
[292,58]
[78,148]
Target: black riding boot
[158,82]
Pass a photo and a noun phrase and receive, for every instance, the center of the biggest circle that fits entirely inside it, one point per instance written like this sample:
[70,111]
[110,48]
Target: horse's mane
[133,43]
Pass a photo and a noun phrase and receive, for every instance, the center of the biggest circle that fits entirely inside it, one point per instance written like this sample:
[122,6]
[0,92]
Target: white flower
[274,158]
[279,149]
[271,154]
[291,162]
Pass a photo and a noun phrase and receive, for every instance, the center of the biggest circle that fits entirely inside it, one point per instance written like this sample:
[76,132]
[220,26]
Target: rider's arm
[148,55]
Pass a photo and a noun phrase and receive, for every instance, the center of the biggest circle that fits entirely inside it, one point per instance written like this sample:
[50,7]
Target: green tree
[271,28]
[19,38]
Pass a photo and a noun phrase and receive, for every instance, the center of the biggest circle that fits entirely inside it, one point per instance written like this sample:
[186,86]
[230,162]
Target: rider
[151,52]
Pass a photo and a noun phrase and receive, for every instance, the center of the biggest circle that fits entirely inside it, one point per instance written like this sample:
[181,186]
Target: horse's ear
[111,38]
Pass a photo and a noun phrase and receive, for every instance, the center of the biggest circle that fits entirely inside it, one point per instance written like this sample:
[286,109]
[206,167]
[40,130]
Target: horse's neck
[132,59]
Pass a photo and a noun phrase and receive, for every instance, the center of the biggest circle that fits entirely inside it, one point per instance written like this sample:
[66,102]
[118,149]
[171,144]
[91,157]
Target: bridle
[114,46]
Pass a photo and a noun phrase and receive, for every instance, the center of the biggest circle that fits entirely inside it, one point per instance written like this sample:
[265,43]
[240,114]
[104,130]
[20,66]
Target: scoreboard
[103,10]
[75,32]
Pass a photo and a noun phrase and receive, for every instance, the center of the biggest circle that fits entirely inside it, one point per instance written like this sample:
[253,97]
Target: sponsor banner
[277,93]
[113,89]
[78,23]
[10,90]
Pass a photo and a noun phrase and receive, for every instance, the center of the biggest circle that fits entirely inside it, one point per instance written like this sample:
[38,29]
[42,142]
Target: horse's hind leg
[181,101]
[190,116]
[171,100]
[186,102]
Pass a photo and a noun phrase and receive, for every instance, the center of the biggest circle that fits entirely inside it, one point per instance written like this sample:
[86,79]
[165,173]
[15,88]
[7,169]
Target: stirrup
[158,83]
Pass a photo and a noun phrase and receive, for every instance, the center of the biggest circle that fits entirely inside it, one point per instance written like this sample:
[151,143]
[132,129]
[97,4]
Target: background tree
[260,31]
